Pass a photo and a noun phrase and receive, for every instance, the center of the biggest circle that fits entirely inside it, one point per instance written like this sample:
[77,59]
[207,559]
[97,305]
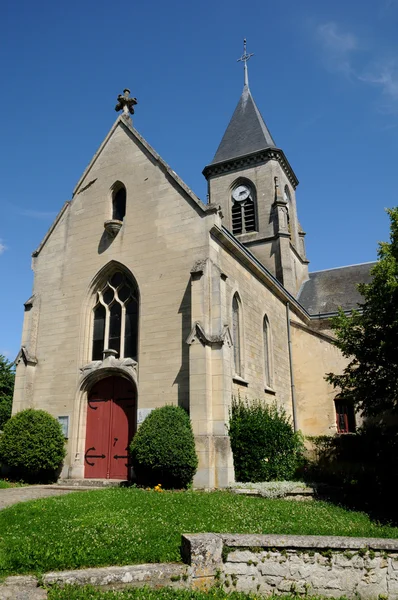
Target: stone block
[240,568]
[155,575]
[274,568]
[203,552]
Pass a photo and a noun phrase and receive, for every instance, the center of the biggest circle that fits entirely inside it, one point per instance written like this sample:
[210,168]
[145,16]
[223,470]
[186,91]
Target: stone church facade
[144,295]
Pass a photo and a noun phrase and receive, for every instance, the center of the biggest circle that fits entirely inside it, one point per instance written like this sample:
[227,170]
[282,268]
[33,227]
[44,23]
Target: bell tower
[252,180]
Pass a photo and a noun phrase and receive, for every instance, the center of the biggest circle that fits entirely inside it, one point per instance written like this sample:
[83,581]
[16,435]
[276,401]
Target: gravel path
[34,492]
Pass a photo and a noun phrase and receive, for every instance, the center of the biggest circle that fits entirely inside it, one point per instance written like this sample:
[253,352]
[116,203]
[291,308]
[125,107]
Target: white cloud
[338,46]
[341,48]
[385,76]
[3,248]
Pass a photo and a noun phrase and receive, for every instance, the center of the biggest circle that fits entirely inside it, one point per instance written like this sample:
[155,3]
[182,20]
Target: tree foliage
[7,377]
[369,336]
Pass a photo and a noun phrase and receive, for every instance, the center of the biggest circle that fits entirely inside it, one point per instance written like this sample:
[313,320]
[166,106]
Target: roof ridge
[370,262]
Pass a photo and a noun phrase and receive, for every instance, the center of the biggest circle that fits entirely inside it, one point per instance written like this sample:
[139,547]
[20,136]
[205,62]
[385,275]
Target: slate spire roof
[246,132]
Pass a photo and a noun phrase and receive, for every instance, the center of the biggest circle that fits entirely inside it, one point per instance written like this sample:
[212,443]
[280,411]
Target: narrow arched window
[267,352]
[119,203]
[287,198]
[236,334]
[116,318]
[244,218]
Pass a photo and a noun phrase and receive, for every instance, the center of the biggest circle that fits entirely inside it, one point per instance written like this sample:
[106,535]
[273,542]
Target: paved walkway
[34,492]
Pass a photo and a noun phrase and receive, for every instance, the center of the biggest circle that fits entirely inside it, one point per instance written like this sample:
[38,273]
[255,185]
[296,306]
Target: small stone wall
[265,564]
[365,568]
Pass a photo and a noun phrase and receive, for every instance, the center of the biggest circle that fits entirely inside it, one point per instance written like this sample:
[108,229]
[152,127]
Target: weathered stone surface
[329,566]
[154,575]
[203,551]
[323,542]
[21,588]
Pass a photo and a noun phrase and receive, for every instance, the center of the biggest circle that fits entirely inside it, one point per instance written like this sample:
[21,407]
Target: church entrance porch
[111,425]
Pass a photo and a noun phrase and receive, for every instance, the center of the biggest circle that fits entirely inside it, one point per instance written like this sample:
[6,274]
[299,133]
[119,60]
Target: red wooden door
[110,427]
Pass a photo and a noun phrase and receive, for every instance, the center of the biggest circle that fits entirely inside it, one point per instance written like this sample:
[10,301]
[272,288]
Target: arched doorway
[111,424]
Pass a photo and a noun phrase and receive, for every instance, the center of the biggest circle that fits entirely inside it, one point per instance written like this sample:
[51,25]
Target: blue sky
[324,75]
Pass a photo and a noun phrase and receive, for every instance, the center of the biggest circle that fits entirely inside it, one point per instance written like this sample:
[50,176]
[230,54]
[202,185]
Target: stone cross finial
[125,103]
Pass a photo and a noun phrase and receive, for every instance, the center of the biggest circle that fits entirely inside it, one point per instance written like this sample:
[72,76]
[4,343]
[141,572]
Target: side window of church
[267,352]
[236,334]
[116,318]
[119,203]
[345,416]
[244,218]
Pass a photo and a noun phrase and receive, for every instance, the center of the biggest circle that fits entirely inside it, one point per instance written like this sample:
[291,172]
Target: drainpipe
[289,340]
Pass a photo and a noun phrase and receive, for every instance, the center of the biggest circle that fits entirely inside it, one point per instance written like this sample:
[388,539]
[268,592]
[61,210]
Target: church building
[144,295]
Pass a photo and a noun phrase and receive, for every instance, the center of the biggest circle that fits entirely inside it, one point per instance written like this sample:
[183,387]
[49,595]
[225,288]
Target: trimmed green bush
[32,445]
[264,445]
[163,449]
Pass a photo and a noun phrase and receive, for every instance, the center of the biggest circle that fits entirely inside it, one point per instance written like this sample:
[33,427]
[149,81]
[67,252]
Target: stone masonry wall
[265,564]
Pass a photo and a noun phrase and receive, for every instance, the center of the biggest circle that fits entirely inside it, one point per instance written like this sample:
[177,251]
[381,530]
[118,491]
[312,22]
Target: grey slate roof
[326,290]
[246,132]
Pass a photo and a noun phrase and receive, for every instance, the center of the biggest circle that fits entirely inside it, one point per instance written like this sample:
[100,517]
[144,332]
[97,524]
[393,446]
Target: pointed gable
[246,132]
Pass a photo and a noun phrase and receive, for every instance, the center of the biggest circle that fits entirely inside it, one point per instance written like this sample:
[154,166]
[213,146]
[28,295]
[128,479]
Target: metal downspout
[293,389]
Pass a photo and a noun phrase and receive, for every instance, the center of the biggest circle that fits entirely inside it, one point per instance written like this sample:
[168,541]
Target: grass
[5,484]
[129,526]
[89,593]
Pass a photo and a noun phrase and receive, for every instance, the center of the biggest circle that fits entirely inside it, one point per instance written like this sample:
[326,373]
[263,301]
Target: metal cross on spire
[244,58]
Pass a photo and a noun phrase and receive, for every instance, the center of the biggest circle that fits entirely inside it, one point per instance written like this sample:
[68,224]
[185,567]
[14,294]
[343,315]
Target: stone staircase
[91,483]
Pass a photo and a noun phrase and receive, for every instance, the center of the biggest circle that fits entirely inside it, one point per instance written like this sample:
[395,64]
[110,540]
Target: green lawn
[4,484]
[89,593]
[126,526]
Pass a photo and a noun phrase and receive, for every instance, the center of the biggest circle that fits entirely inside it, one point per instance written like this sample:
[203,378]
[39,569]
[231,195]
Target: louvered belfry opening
[243,212]
[250,215]
[237,221]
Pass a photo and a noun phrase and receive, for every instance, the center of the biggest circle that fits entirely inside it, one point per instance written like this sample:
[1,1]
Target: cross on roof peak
[125,103]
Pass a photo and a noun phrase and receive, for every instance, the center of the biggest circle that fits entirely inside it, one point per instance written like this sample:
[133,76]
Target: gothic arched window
[236,334]
[116,318]
[119,202]
[287,197]
[267,352]
[244,218]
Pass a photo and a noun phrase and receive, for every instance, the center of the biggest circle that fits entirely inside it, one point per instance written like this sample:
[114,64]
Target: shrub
[163,449]
[361,467]
[263,442]
[32,445]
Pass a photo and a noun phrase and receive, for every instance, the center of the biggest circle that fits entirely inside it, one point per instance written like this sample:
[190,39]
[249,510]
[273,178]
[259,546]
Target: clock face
[241,193]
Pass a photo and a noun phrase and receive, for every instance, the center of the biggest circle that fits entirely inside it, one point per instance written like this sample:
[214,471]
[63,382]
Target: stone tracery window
[116,318]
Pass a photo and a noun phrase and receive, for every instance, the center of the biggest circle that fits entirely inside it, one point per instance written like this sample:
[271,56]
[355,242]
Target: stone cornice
[251,160]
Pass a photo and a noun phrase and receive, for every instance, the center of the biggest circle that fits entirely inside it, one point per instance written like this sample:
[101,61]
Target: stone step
[91,483]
